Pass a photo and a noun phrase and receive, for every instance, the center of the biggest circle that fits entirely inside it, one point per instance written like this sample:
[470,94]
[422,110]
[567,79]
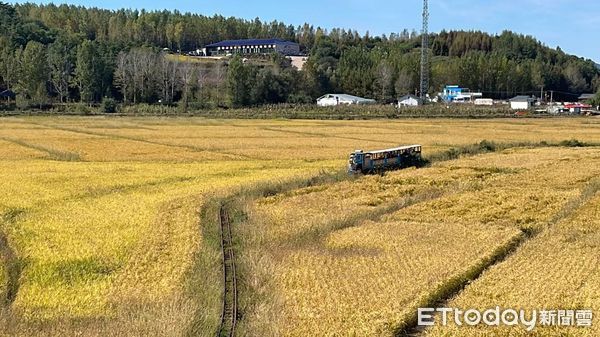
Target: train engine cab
[384,160]
[356,161]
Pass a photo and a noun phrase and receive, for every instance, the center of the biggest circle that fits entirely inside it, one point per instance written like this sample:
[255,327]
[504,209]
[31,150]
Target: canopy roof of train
[394,149]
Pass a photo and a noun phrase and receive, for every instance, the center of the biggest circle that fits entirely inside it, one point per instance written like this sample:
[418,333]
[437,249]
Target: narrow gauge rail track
[229,313]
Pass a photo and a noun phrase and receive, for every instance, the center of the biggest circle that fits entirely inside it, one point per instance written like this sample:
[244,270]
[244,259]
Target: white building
[521,103]
[342,99]
[467,97]
[484,101]
[409,100]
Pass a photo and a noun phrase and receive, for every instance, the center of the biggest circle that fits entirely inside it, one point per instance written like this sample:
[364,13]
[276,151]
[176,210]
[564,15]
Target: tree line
[52,54]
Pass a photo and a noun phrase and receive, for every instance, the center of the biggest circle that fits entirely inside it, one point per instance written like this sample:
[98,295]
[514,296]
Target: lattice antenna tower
[425,51]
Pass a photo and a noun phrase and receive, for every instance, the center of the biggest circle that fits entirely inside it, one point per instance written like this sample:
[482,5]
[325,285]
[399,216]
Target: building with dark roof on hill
[252,46]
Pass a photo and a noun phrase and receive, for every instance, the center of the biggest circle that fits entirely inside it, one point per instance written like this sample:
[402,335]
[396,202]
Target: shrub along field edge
[287,111]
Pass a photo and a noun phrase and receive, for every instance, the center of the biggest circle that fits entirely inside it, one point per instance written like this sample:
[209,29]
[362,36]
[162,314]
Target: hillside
[74,53]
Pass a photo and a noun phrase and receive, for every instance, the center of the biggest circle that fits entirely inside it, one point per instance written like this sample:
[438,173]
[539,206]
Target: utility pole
[425,51]
[551,96]
[542,94]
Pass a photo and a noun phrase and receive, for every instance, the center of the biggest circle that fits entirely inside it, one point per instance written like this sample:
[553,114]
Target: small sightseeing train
[384,160]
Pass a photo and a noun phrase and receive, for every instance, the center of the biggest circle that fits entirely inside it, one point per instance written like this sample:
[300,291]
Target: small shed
[521,102]
[342,99]
[409,100]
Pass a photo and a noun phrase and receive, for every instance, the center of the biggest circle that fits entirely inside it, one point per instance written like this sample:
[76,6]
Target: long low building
[252,46]
[342,99]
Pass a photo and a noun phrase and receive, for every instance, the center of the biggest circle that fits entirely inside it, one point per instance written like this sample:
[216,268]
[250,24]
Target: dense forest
[56,54]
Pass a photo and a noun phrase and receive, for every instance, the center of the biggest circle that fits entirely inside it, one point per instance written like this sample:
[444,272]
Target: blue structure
[451,92]
[252,46]
[454,93]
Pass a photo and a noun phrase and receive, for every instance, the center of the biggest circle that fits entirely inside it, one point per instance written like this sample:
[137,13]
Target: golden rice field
[557,270]
[102,230]
[329,274]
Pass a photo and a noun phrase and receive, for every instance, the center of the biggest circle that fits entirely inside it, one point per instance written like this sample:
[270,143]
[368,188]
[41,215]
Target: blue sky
[572,25]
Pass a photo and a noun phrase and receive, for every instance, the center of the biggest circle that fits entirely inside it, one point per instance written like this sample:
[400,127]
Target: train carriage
[384,160]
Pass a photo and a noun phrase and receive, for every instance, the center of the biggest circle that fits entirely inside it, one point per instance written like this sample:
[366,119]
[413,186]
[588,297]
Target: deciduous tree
[61,63]
[34,73]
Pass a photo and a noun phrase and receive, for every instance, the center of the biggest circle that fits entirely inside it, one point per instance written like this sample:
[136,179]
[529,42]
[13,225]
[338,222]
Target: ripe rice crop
[11,151]
[297,139]
[103,218]
[92,253]
[556,270]
[102,242]
[368,277]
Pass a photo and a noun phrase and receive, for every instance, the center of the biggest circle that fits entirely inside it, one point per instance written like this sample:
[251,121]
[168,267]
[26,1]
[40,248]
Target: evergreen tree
[355,72]
[238,82]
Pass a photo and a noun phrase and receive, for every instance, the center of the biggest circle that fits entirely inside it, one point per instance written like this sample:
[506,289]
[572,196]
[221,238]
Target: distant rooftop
[249,42]
[347,97]
[522,99]
[409,96]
